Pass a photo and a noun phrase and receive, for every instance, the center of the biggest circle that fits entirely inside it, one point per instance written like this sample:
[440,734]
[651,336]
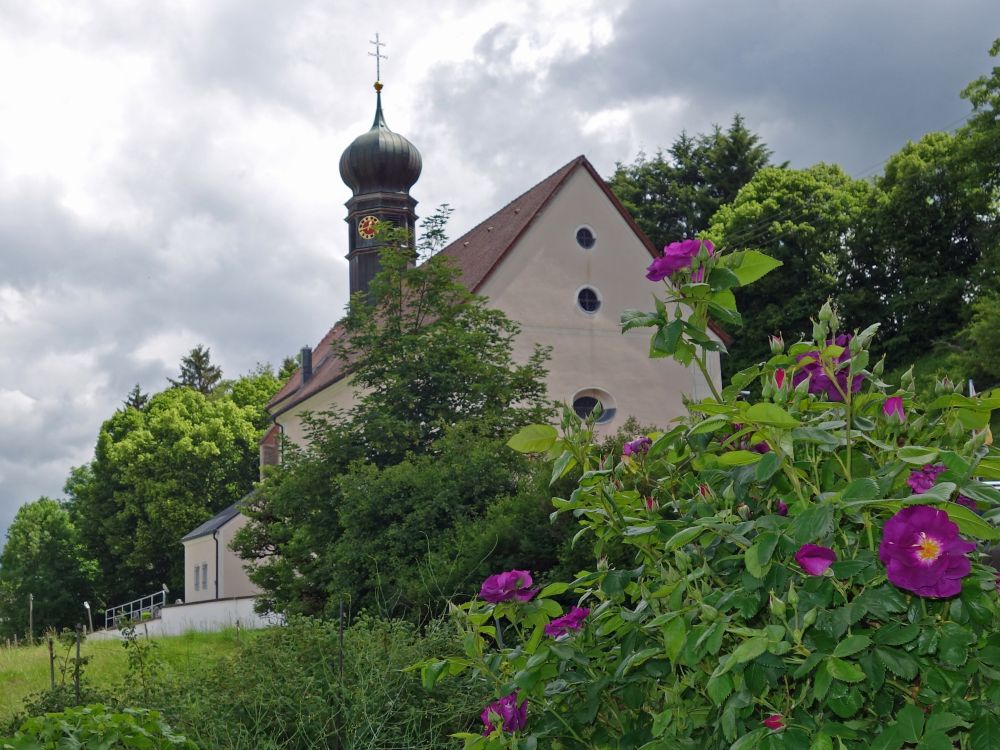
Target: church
[563,259]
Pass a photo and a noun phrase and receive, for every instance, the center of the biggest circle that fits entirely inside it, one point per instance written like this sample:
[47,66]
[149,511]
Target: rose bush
[810,568]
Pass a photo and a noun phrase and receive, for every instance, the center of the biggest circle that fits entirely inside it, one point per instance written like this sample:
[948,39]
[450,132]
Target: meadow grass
[25,670]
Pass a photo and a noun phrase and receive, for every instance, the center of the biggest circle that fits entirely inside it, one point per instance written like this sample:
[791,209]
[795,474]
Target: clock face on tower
[367,227]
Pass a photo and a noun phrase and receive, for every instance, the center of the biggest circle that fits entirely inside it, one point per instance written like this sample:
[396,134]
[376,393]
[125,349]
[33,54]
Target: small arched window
[585,237]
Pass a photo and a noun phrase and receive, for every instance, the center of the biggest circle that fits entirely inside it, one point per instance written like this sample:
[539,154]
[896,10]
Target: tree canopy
[806,218]
[197,371]
[44,557]
[159,471]
[356,512]
[675,194]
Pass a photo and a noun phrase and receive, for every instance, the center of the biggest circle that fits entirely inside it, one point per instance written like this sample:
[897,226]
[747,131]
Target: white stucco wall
[201,617]
[537,285]
[233,579]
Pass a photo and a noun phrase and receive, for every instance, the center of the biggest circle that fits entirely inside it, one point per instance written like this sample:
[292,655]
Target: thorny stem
[708,378]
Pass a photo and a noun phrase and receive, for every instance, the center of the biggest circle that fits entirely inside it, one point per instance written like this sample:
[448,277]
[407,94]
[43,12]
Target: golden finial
[378,86]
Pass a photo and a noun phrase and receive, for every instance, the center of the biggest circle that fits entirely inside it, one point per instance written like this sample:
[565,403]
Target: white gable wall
[537,285]
[233,579]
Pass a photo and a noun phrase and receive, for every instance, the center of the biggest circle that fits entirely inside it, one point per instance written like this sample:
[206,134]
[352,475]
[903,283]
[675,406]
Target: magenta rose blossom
[922,552]
[676,256]
[921,480]
[568,623]
[502,587]
[892,409]
[774,722]
[639,445]
[512,716]
[820,383]
[815,559]
[781,508]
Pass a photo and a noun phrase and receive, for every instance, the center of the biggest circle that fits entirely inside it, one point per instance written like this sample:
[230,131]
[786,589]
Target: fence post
[76,667]
[31,618]
[52,664]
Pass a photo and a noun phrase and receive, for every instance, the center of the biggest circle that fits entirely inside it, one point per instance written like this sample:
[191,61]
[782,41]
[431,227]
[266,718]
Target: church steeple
[380,167]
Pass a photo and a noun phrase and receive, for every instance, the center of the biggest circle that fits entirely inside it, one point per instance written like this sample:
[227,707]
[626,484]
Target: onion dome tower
[380,167]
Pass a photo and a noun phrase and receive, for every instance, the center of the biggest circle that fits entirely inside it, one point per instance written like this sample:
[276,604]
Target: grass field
[25,670]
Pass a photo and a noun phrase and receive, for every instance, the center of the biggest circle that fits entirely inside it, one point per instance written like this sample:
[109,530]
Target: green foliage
[198,372]
[285,689]
[383,488]
[931,220]
[805,218]
[158,473]
[426,353]
[675,194]
[43,556]
[136,399]
[718,623]
[254,390]
[96,728]
[982,337]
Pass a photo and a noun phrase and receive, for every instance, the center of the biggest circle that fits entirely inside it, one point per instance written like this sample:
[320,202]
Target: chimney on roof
[306,363]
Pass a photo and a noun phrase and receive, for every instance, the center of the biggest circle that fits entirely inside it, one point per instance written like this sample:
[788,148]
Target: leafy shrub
[284,689]
[810,570]
[94,727]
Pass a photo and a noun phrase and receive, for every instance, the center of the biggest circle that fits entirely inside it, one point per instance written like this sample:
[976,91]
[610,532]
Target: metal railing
[144,608]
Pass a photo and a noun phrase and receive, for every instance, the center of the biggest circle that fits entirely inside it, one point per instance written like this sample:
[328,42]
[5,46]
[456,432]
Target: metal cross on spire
[379,57]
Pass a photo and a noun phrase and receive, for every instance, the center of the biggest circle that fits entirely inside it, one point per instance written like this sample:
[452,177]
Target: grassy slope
[26,670]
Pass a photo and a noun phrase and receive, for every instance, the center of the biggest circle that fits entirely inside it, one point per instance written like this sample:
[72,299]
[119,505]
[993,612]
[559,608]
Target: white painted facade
[208,560]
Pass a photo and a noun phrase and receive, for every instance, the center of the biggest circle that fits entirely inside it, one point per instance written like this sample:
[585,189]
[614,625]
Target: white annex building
[563,259]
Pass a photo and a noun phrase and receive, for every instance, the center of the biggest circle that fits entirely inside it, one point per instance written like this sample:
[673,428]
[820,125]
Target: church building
[563,259]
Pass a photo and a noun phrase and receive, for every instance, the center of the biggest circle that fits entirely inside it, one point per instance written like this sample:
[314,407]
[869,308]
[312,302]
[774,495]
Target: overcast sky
[168,170]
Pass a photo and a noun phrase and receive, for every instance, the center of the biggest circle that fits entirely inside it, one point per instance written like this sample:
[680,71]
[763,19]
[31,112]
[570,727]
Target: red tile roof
[476,253]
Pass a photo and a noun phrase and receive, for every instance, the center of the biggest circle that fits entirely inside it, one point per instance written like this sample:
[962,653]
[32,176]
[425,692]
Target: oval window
[585,401]
[585,238]
[588,299]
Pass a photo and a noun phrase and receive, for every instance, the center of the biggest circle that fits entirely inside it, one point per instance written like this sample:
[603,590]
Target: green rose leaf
[896,634]
[915,454]
[747,651]
[890,738]
[738,458]
[813,523]
[910,721]
[898,662]
[771,415]
[844,671]
[861,491]
[719,688]
[970,524]
[431,673]
[758,555]
[985,734]
[953,647]
[750,265]
[535,438]
[935,741]
[637,319]
[852,645]
[767,467]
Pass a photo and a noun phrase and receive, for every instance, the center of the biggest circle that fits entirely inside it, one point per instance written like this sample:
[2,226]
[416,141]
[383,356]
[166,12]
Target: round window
[585,401]
[585,238]
[588,299]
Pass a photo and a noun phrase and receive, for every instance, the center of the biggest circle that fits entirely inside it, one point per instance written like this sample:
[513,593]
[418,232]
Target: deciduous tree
[44,557]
